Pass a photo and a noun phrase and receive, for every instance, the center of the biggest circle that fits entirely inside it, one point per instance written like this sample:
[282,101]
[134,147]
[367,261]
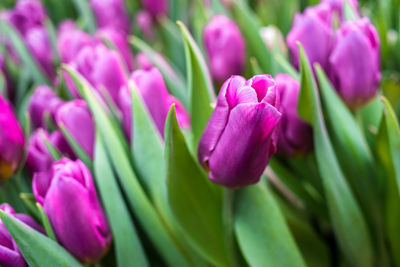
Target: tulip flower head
[156,8]
[241,134]
[111,13]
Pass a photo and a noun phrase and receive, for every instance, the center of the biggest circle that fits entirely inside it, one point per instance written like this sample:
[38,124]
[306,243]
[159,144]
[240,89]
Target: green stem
[228,223]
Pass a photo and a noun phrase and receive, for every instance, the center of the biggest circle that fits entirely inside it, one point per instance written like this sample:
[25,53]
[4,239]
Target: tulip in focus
[354,62]
[156,8]
[10,255]
[111,13]
[225,47]
[242,132]
[11,140]
[295,135]
[69,199]
[77,119]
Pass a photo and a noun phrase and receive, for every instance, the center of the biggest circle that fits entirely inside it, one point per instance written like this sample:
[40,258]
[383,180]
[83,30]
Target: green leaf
[30,202]
[286,66]
[86,13]
[261,230]
[195,203]
[37,249]
[55,154]
[347,220]
[24,54]
[136,196]
[250,26]
[126,241]
[45,222]
[348,12]
[201,91]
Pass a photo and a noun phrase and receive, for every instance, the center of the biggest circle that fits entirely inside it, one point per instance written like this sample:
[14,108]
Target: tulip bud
[156,8]
[10,255]
[225,47]
[111,13]
[69,199]
[241,134]
[295,135]
[120,41]
[43,101]
[354,62]
[78,121]
[151,86]
[313,29]
[11,141]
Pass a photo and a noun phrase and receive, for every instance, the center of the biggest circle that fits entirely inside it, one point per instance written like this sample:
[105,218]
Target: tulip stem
[228,226]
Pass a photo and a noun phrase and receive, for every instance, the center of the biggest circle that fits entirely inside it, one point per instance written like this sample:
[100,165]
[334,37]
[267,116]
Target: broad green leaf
[201,91]
[38,250]
[173,79]
[86,13]
[46,223]
[348,223]
[250,26]
[136,196]
[261,230]
[24,54]
[199,19]
[126,241]
[195,203]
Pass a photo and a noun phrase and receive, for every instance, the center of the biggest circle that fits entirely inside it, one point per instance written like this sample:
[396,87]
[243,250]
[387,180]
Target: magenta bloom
[69,199]
[156,8]
[10,255]
[225,47]
[144,22]
[338,5]
[151,86]
[12,141]
[241,134]
[354,62]
[295,135]
[142,61]
[44,100]
[313,29]
[111,13]
[78,121]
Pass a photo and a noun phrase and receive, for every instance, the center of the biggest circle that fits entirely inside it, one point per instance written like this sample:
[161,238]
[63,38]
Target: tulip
[70,201]
[120,41]
[241,134]
[156,8]
[142,61]
[77,119]
[338,6]
[102,67]
[313,29]
[111,13]
[39,158]
[151,86]
[354,62]
[43,101]
[144,22]
[11,141]
[225,47]
[10,255]
[295,135]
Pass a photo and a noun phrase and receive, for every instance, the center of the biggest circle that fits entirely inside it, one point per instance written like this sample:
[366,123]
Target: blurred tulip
[144,22]
[69,199]
[111,13]
[11,140]
[354,62]
[313,29]
[78,121]
[273,38]
[241,134]
[10,255]
[142,61]
[295,135]
[338,6]
[151,86]
[156,8]
[225,47]
[43,100]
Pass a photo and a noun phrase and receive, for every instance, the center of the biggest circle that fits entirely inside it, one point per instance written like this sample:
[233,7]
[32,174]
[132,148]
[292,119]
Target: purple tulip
[102,67]
[11,140]
[111,13]
[70,201]
[144,22]
[225,47]
[354,62]
[151,86]
[43,101]
[313,29]
[338,6]
[142,61]
[78,121]
[156,8]
[295,135]
[120,41]
[10,255]
[241,134]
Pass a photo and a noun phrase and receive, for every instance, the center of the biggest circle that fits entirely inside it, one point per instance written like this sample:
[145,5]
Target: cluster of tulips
[127,139]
